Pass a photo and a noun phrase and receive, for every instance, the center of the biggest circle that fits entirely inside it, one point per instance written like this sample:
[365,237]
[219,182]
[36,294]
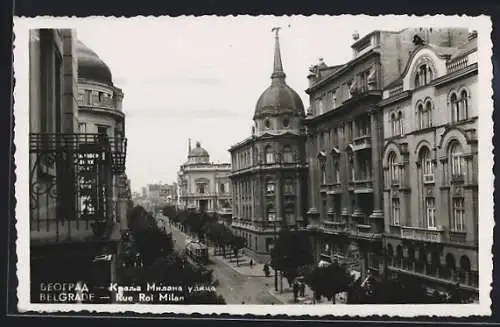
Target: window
[321,106]
[289,214]
[323,173]
[423,76]
[88,97]
[348,90]
[267,123]
[458,214]
[289,187]
[271,215]
[394,168]
[201,188]
[426,165]
[82,127]
[270,187]
[457,160]
[287,154]
[334,99]
[400,123]
[222,188]
[269,155]
[430,212]
[103,130]
[396,210]
[286,122]
[459,106]
[336,172]
[424,115]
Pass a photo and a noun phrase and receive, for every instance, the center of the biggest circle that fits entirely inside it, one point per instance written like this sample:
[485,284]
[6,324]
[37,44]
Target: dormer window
[423,76]
[267,123]
[286,122]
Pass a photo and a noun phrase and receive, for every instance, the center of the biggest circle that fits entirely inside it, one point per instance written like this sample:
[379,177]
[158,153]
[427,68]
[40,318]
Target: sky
[200,77]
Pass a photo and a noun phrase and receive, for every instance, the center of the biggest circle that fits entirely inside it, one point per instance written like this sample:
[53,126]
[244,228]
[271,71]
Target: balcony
[362,143]
[457,64]
[364,232]
[362,185]
[422,234]
[70,188]
[333,226]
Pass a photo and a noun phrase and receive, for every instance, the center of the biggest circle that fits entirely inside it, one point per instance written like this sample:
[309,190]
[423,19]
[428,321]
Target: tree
[291,251]
[237,243]
[329,280]
[170,212]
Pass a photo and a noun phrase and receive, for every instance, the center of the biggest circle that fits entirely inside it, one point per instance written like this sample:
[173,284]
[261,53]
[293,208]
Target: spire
[278,73]
[189,145]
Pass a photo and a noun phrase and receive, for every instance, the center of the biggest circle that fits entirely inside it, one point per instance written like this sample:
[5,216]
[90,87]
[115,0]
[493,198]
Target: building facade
[345,144]
[100,111]
[430,162]
[203,185]
[268,169]
[73,236]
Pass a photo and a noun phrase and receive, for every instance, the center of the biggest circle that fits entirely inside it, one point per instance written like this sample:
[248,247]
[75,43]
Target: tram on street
[197,251]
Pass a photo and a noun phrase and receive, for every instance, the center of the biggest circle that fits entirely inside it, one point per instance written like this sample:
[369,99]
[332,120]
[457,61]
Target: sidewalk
[243,266]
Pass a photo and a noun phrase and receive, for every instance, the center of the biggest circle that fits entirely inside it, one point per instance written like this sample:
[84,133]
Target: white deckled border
[486,222]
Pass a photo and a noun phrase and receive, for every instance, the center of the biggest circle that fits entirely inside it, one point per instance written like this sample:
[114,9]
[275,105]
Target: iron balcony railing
[70,187]
[118,154]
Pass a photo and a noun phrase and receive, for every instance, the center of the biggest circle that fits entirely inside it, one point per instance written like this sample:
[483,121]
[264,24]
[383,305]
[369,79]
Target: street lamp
[274,247]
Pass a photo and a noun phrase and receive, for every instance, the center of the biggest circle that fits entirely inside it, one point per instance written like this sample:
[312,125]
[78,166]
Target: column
[253,186]
[376,166]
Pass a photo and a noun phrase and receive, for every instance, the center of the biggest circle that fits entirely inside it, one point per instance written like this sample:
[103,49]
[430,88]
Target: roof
[90,66]
[466,48]
[278,95]
[198,151]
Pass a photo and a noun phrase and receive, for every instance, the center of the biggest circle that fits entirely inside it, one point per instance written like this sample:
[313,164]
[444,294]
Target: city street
[233,286]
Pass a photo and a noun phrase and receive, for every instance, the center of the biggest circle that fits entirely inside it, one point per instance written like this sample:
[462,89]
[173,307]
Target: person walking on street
[251,263]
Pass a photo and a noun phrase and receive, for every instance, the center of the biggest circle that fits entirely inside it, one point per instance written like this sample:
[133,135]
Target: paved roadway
[234,287]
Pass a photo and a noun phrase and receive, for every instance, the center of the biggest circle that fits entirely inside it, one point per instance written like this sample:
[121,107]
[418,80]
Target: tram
[197,251]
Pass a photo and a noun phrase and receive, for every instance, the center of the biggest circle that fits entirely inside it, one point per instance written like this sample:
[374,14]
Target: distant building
[204,185]
[345,144]
[430,161]
[268,168]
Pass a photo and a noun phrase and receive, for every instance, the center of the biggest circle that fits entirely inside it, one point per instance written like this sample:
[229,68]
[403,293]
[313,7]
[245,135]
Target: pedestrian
[251,263]
[266,270]
[295,291]
[302,289]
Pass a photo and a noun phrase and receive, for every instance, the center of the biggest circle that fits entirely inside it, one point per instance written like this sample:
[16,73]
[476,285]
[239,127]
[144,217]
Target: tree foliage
[329,280]
[291,251]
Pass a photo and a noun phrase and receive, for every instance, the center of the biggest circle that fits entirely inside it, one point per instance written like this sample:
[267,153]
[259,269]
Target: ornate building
[204,185]
[431,166]
[345,145]
[100,111]
[73,235]
[268,168]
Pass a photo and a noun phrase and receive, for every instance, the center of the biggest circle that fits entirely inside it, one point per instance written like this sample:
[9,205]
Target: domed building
[203,185]
[100,112]
[268,168]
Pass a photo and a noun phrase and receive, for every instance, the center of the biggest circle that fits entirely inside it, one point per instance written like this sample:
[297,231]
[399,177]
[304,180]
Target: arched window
[394,168]
[430,212]
[420,114]
[417,80]
[269,154]
[428,114]
[424,75]
[426,165]
[393,124]
[400,123]
[287,154]
[463,106]
[270,213]
[323,174]
[455,112]
[457,160]
[464,268]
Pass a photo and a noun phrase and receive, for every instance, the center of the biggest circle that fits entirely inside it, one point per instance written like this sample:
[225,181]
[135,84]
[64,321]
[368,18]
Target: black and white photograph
[320,165]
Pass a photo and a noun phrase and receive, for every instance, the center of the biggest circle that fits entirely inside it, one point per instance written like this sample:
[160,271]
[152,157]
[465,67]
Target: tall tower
[268,174]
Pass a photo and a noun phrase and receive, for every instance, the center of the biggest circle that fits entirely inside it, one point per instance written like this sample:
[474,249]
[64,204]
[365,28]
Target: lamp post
[274,247]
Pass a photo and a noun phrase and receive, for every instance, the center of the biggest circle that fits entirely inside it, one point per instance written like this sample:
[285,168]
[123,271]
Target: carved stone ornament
[372,79]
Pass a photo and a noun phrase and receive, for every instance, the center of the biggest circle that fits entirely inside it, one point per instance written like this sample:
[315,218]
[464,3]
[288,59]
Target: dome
[90,66]
[198,151]
[279,97]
